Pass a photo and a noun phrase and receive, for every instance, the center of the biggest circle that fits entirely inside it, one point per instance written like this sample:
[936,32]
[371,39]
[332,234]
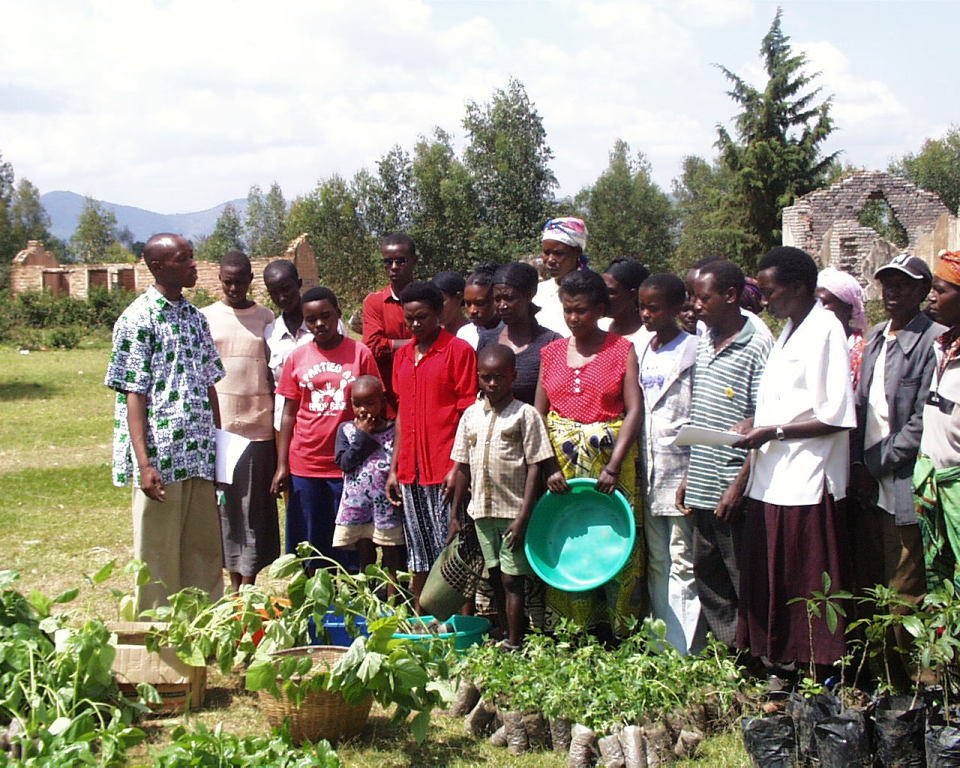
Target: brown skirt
[785,552]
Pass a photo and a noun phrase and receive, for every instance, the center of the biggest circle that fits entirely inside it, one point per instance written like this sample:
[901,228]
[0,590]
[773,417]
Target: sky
[178,105]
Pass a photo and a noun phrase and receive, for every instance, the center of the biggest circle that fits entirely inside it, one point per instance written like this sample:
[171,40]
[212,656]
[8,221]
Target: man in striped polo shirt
[730,360]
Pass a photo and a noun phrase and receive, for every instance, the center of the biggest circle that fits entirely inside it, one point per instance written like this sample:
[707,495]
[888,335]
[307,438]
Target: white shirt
[941,421]
[470,333]
[551,310]
[807,376]
[877,420]
[657,364]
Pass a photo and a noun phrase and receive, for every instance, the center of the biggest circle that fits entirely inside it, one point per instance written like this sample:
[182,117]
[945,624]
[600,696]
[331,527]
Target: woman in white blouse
[795,527]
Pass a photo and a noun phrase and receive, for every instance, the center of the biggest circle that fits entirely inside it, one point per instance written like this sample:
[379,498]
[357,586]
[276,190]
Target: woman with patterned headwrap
[842,294]
[936,474]
[563,242]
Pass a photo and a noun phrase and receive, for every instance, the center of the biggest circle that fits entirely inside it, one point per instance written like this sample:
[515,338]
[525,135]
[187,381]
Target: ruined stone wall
[826,224]
[35,255]
[27,273]
[24,278]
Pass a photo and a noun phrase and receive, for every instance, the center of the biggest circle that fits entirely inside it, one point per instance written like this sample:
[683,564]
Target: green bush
[27,338]
[107,306]
[33,319]
[201,297]
[65,337]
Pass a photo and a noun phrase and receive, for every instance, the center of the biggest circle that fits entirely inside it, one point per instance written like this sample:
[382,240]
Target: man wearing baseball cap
[898,364]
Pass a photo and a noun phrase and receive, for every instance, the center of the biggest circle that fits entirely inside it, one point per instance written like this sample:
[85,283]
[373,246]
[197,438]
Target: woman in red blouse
[435,379]
[589,392]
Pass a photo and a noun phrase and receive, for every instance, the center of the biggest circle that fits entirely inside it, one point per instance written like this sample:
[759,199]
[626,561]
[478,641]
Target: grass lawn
[62,518]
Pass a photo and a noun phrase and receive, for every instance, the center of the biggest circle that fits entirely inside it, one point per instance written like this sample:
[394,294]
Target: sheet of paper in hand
[690,435]
[230,448]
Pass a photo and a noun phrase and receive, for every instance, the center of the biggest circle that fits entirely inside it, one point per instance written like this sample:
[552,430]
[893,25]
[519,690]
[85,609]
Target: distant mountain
[64,209]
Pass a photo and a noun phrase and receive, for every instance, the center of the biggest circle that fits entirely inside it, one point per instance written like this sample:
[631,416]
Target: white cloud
[182,104]
[857,99]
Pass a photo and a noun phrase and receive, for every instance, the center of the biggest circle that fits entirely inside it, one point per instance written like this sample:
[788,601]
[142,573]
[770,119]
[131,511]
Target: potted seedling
[936,628]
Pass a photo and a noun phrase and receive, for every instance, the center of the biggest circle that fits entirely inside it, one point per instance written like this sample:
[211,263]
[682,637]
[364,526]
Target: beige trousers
[179,540]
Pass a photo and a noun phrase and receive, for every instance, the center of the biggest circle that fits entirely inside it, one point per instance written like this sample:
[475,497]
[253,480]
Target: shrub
[201,297]
[27,338]
[107,306]
[66,320]
[65,337]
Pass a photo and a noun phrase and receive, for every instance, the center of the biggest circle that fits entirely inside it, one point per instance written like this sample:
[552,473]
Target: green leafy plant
[58,695]
[572,676]
[936,628]
[410,674]
[216,748]
[827,605]
[888,610]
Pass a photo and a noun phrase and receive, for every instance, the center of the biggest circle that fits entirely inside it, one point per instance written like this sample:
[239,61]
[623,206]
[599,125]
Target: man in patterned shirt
[163,367]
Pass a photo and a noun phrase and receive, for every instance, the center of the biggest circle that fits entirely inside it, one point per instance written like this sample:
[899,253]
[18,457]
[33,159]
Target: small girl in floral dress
[366,518]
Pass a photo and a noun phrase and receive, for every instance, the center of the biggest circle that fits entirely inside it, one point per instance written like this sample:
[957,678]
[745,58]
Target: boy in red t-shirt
[316,384]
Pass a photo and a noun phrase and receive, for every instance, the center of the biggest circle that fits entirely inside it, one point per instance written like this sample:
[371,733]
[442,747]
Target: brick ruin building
[826,224]
[36,269]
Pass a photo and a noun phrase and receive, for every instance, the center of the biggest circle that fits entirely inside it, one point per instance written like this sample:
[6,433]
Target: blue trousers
[311,515]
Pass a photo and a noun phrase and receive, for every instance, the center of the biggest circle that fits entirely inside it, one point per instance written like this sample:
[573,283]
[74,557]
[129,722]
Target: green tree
[8,244]
[96,231]
[444,206]
[30,219]
[265,222]
[346,251]
[508,157]
[629,215]
[227,236]
[711,218]
[776,154]
[387,198]
[936,167]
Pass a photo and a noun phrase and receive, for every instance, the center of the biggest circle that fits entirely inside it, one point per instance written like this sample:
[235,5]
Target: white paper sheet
[230,448]
[690,435]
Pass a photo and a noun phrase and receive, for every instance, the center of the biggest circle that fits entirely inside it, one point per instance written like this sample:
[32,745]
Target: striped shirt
[725,387]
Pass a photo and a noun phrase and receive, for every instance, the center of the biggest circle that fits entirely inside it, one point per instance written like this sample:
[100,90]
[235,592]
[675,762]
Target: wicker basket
[323,714]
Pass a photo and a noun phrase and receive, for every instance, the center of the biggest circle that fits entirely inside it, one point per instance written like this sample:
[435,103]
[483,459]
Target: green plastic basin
[580,540]
[467,631]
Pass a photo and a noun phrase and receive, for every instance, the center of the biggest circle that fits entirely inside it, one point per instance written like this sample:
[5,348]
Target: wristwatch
[779,433]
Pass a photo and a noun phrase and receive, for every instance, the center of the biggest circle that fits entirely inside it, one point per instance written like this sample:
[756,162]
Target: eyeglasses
[398,260]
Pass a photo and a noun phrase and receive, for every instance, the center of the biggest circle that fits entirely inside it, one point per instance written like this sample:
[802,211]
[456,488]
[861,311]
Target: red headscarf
[948,268]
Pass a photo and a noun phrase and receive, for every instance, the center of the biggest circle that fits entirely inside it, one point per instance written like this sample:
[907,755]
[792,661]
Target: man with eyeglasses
[898,363]
[384,330]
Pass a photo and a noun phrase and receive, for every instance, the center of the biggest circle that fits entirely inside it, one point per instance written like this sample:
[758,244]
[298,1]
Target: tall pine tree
[776,153]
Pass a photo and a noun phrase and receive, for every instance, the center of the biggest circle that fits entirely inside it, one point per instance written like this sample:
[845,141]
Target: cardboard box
[180,685]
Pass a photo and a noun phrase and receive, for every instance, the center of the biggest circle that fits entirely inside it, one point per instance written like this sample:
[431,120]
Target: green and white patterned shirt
[163,349]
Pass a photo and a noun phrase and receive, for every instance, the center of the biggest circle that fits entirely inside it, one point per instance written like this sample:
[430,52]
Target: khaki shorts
[496,553]
[349,535]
